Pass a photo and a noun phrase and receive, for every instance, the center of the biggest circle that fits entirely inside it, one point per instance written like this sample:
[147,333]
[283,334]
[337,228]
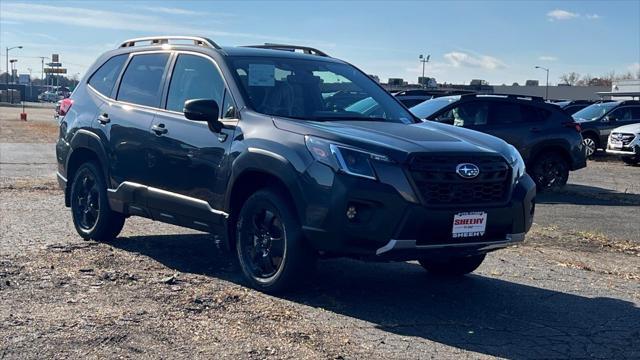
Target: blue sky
[497,41]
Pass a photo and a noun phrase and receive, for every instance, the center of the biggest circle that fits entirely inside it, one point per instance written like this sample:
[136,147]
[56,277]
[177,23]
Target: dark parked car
[599,119]
[547,138]
[243,142]
[573,106]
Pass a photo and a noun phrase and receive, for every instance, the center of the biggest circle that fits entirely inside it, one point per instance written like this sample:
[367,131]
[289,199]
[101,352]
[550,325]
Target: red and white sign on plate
[469,224]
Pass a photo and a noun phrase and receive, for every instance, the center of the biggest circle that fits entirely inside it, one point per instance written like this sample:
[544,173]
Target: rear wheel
[92,217]
[550,171]
[591,144]
[631,160]
[270,246]
[456,266]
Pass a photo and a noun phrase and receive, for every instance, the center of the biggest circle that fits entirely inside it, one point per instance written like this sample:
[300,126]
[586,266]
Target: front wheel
[591,145]
[550,171]
[631,160]
[92,217]
[270,246]
[455,266]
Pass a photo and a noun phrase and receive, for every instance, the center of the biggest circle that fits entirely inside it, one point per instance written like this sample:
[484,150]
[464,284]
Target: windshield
[594,112]
[314,90]
[430,107]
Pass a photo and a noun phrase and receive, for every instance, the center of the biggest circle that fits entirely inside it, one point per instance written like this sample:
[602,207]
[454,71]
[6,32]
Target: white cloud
[547,58]
[559,14]
[104,19]
[634,67]
[593,16]
[463,59]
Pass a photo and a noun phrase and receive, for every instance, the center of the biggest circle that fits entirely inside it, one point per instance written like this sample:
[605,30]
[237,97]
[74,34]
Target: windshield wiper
[349,118]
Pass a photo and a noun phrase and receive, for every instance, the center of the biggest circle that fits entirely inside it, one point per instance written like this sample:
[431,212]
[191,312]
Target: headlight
[516,162]
[344,158]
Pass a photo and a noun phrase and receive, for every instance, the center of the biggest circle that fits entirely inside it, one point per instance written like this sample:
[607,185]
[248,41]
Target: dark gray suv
[248,144]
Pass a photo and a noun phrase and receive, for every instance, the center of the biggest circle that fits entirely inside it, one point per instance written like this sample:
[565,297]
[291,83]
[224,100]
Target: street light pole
[547,88]
[7,60]
[423,60]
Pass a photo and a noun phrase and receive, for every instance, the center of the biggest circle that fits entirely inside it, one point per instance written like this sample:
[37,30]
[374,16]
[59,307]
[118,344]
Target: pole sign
[55,58]
[55,70]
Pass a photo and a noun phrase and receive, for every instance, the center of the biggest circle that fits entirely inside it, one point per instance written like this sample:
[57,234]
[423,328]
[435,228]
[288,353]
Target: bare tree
[570,78]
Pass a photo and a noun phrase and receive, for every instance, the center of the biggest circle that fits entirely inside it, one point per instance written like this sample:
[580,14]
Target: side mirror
[607,119]
[204,110]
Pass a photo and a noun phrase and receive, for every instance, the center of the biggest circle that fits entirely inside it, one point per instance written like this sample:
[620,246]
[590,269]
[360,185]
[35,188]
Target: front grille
[438,183]
[626,139]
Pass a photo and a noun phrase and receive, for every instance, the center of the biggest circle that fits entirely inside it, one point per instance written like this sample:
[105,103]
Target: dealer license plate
[615,144]
[469,224]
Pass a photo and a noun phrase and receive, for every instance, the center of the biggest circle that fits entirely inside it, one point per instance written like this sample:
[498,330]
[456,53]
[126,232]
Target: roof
[620,93]
[252,51]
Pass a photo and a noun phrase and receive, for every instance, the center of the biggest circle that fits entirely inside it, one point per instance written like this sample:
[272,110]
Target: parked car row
[546,137]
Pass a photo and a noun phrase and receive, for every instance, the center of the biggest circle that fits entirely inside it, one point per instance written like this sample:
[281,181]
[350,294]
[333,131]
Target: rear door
[128,119]
[190,159]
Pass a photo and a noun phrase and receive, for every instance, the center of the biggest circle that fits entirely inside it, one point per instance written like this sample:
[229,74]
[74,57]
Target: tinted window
[142,80]
[194,77]
[473,113]
[228,107]
[533,114]
[107,75]
[625,113]
[505,113]
[430,107]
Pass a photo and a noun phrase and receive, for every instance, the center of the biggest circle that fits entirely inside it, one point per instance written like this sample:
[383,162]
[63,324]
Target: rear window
[106,76]
[142,80]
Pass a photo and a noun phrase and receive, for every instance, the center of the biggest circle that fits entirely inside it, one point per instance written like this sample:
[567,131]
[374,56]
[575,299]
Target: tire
[631,160]
[590,143]
[92,217]
[456,266]
[550,171]
[271,249]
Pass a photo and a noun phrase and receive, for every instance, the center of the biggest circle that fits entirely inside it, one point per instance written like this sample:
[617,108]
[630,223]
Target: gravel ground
[571,291]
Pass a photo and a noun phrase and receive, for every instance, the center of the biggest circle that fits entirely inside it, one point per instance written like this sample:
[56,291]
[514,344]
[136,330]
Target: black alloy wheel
[550,171]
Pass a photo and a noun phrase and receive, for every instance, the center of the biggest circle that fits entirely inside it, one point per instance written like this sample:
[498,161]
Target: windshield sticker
[262,75]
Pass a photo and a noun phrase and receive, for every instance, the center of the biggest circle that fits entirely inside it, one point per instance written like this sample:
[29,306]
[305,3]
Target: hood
[632,129]
[399,140]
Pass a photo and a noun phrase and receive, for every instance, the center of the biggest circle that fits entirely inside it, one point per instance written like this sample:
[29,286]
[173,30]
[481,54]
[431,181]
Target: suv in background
[547,138]
[625,142]
[573,106]
[246,143]
[599,119]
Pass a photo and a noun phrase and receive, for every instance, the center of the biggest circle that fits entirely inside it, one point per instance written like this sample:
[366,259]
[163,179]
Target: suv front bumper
[394,226]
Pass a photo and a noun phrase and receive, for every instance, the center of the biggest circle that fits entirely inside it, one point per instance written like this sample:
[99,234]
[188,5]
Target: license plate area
[471,224]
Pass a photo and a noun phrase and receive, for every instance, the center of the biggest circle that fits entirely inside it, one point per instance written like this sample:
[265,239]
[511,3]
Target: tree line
[575,79]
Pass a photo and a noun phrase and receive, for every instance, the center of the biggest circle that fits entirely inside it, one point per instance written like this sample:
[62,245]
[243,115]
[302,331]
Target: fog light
[351,212]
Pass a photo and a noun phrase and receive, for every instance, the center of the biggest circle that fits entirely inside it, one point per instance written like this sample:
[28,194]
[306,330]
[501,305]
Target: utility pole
[424,60]
[42,61]
[546,91]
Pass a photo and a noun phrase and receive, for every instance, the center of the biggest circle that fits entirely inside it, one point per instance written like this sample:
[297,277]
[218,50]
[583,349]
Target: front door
[189,159]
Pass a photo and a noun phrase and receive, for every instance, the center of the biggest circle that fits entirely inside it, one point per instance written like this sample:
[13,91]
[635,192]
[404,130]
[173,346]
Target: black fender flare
[85,139]
[265,161]
[547,145]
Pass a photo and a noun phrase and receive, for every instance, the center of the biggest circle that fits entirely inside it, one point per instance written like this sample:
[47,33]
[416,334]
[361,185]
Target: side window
[621,114]
[473,113]
[142,80]
[106,76]
[194,77]
[532,114]
[504,113]
[635,112]
[228,107]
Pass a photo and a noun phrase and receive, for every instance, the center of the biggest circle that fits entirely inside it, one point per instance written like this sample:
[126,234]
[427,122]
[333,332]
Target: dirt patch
[40,127]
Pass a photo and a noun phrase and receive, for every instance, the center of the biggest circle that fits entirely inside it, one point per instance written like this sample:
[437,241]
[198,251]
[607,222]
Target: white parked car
[625,141]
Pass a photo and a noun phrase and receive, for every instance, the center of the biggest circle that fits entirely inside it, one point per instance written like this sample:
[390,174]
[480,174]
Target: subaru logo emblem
[467,171]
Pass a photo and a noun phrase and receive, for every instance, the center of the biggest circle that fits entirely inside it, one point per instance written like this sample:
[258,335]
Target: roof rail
[157,40]
[292,48]
[510,96]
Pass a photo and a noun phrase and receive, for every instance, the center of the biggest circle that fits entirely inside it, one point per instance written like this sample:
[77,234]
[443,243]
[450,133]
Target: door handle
[104,118]
[159,129]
